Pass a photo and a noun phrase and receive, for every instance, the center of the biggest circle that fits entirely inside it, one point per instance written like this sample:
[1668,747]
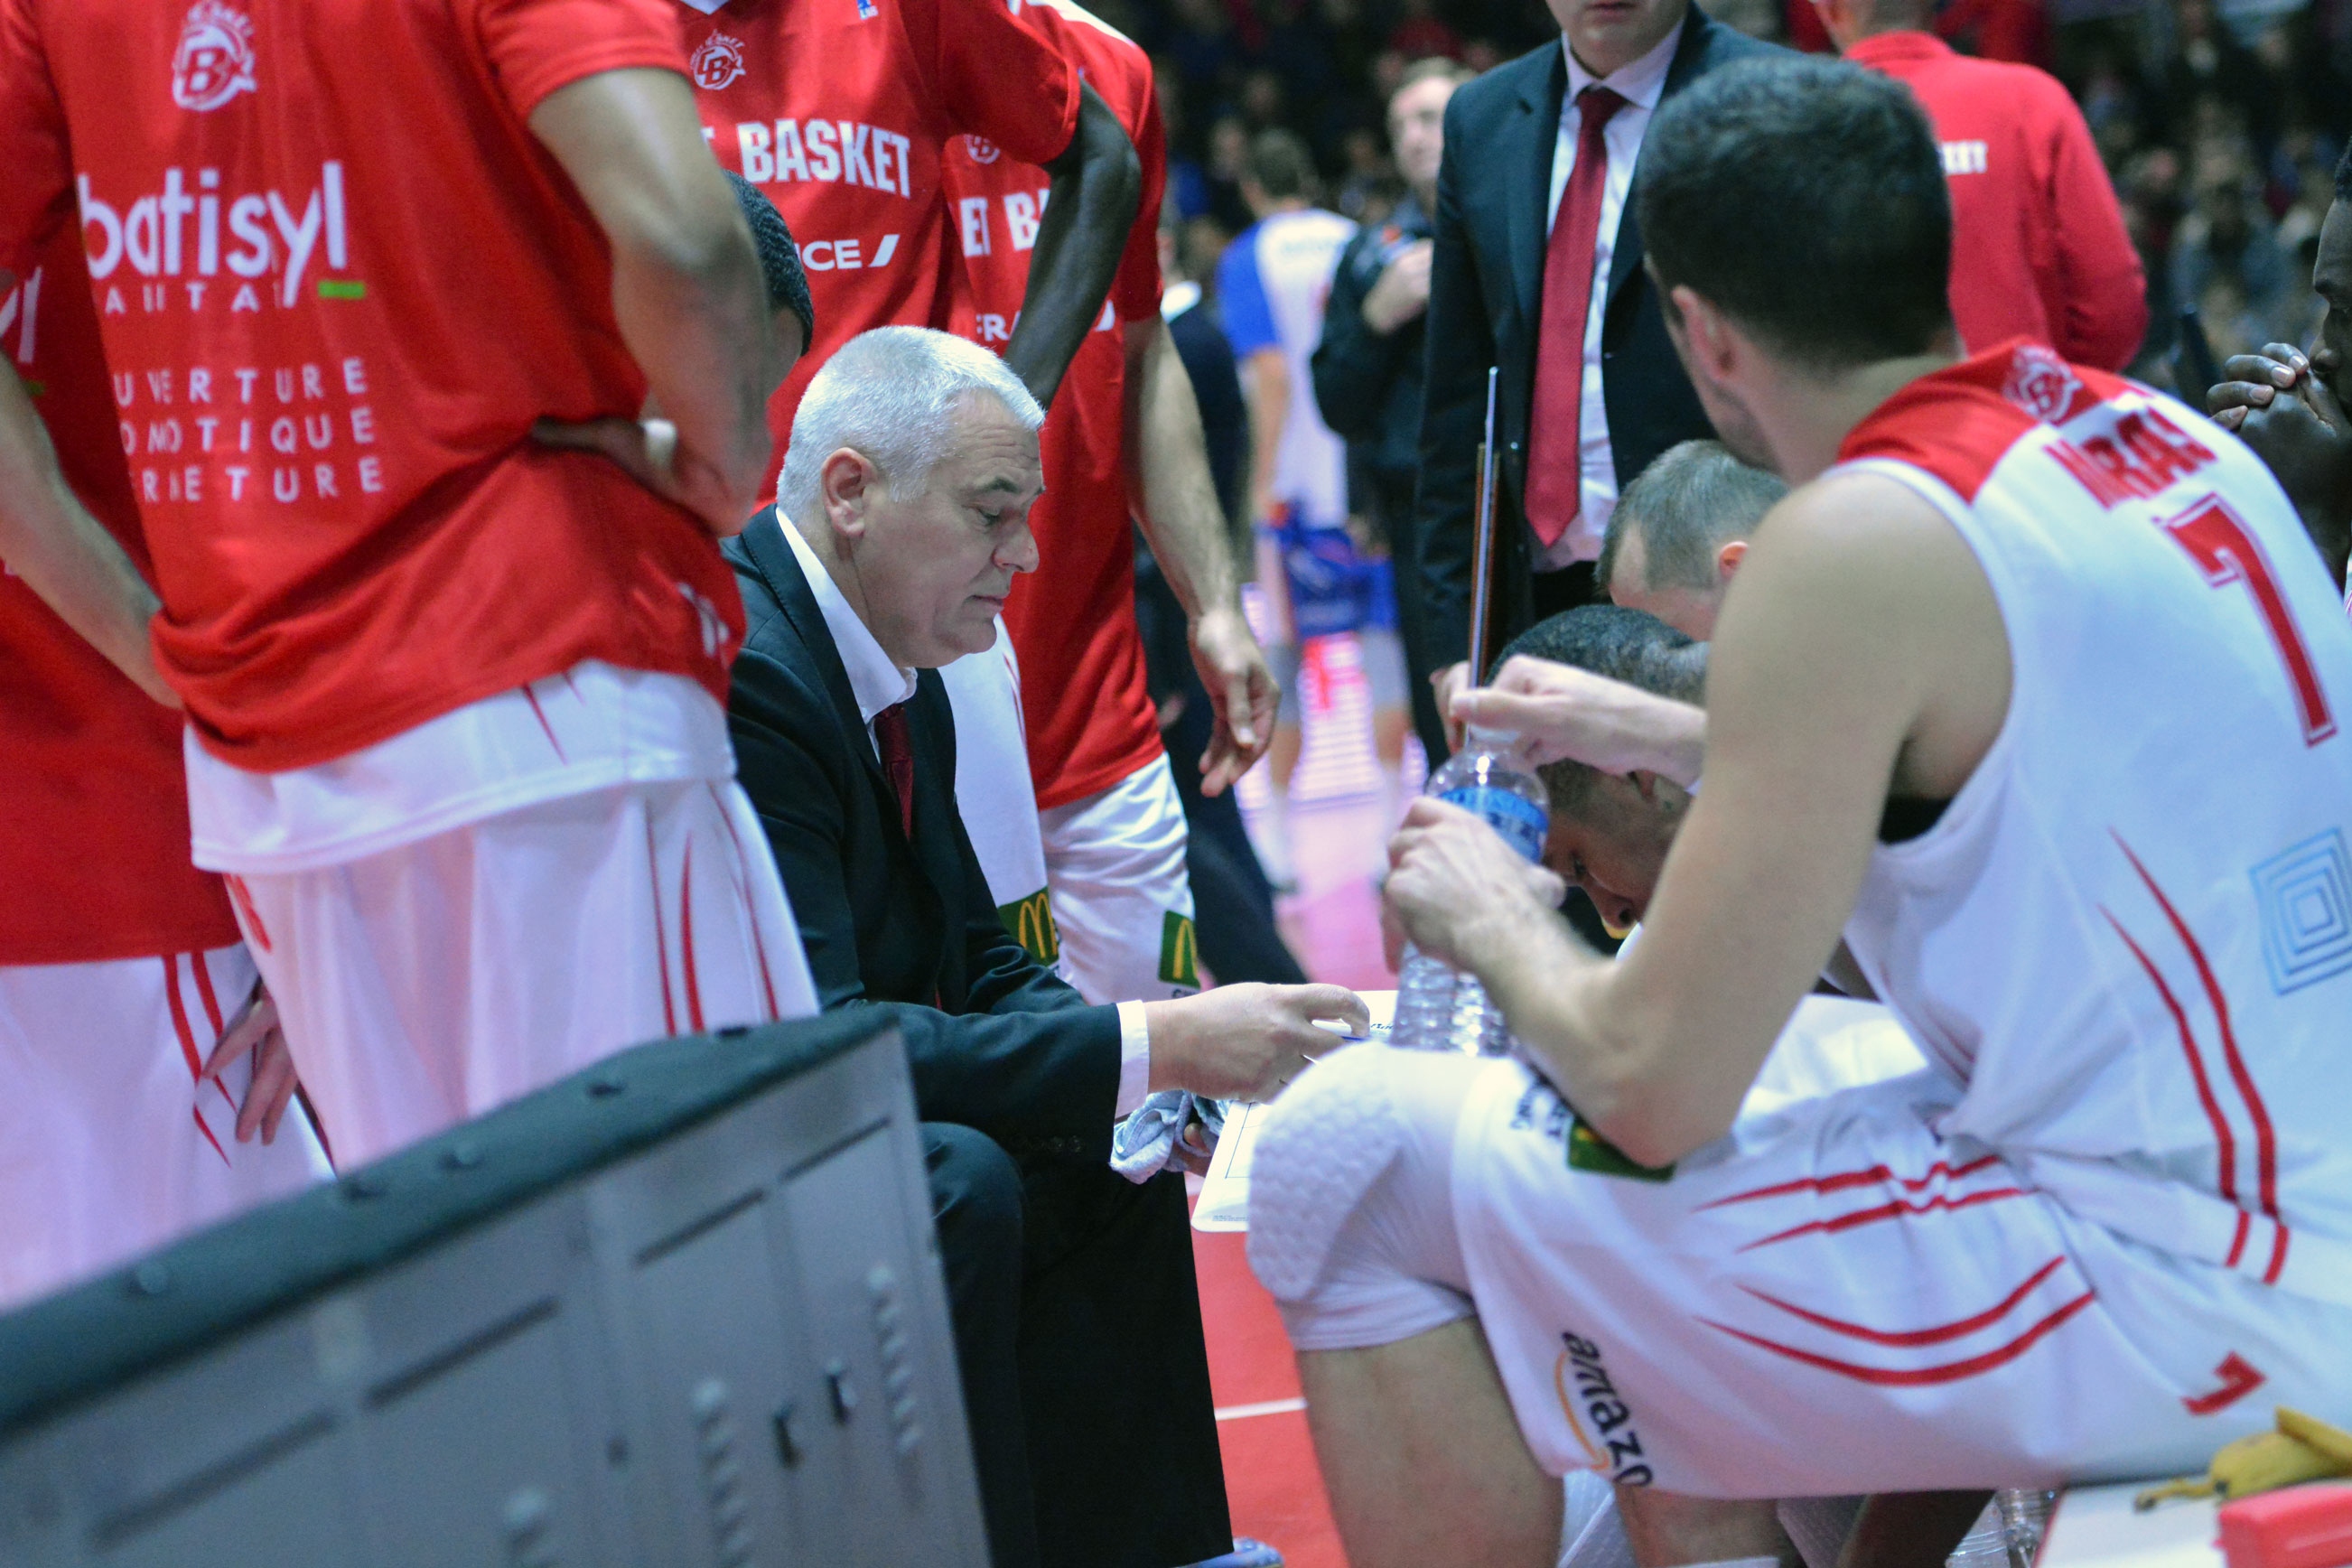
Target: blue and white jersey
[1273,282]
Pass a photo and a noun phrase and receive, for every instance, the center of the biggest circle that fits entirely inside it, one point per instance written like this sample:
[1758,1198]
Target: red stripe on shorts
[661,938]
[750,910]
[1919,1377]
[1895,1210]
[1937,1335]
[1878,1175]
[685,940]
[178,1009]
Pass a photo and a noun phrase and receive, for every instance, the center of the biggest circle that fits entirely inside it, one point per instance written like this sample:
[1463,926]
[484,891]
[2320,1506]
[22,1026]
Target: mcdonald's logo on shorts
[1031,921]
[1180,951]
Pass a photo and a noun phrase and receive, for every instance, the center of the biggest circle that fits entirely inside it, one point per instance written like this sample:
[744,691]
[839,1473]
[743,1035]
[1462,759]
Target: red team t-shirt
[837,110]
[1089,714]
[338,278]
[94,850]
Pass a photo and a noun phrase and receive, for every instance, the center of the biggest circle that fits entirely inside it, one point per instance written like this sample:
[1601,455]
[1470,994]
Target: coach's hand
[274,1082]
[648,451]
[1455,889]
[1244,1042]
[1562,714]
[1242,691]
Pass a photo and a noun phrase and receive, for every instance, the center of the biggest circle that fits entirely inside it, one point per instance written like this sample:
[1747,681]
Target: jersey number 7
[2227,552]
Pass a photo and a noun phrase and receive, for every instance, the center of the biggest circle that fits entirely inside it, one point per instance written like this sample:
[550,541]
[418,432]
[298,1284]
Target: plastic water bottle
[2008,1532]
[1437,1009]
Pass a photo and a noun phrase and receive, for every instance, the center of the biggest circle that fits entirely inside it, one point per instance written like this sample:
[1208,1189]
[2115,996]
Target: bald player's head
[1610,833]
[1679,530]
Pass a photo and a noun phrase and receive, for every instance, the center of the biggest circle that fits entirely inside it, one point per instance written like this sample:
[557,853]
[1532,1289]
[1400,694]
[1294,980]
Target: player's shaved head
[1805,199]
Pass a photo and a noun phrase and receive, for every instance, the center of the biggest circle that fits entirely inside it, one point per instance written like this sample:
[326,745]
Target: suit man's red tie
[892,738]
[1554,432]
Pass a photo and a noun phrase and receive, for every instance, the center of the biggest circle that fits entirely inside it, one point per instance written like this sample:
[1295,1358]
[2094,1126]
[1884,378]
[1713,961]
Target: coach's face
[934,568]
[1607,34]
[1613,843]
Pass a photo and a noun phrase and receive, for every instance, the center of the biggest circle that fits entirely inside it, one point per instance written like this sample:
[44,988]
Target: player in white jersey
[1271,284]
[2032,690]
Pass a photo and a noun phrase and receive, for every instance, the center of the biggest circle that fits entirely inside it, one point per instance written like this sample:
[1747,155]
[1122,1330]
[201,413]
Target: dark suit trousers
[1085,1377]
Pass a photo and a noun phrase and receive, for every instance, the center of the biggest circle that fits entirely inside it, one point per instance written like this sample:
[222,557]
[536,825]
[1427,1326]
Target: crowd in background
[2221,126]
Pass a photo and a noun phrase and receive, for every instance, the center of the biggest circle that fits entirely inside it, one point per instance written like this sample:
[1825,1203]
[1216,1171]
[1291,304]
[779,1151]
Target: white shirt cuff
[1134,1057]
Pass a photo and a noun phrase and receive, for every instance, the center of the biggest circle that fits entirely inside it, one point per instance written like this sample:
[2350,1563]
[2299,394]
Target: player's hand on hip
[1454,887]
[1242,691]
[2251,381]
[1245,1042]
[649,451]
[256,1030]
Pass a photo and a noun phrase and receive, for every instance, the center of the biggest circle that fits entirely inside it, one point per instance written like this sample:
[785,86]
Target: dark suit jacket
[1486,304]
[996,1042]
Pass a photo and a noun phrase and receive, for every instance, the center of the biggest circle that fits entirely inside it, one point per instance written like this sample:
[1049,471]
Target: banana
[2332,1441]
[2302,1449]
[2267,1461]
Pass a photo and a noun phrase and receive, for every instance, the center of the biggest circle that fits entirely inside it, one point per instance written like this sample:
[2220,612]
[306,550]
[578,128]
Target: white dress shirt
[876,682]
[1640,84]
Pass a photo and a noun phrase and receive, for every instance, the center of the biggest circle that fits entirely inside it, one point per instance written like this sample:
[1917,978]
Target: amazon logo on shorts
[1598,1414]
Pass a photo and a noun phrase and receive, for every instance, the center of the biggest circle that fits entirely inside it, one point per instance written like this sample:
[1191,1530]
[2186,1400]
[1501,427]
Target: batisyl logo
[198,228]
[718,63]
[214,60]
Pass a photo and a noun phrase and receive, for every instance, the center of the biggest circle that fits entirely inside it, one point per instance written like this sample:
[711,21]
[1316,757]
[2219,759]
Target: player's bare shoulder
[1857,591]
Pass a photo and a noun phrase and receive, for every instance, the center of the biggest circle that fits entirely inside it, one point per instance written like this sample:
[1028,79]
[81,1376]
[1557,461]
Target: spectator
[1272,284]
[1368,367]
[2038,248]
[2226,261]
[1420,33]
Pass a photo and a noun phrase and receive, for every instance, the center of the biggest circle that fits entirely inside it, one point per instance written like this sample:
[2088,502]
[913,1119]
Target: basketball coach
[1538,269]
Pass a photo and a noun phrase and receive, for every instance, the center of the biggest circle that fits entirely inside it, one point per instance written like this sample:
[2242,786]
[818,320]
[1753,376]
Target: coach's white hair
[890,396]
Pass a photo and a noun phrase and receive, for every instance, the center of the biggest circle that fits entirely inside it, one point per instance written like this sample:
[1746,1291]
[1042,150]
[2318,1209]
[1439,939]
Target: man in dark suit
[902,520]
[1538,269]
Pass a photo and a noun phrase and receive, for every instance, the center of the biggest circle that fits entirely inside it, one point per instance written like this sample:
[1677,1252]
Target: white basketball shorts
[110,1146]
[1122,889]
[435,982]
[1831,1298]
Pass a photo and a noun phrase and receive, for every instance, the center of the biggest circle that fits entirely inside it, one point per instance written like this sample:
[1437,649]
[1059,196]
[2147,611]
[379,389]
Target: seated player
[1678,532]
[902,519]
[2072,632]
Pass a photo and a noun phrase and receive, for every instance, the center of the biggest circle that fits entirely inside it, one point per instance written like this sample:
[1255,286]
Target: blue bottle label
[1521,824]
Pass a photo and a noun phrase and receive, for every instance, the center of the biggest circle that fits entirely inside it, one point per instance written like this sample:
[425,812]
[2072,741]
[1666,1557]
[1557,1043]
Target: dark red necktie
[897,748]
[1555,434]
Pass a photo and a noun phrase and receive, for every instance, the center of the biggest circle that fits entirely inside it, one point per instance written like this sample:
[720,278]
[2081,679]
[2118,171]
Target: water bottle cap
[1484,738]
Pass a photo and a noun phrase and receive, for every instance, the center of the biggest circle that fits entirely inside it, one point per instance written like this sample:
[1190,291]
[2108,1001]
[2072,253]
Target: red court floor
[1276,1492]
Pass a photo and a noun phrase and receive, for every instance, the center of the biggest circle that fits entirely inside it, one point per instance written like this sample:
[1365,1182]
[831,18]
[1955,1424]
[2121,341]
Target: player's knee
[1333,1134]
[1351,1221]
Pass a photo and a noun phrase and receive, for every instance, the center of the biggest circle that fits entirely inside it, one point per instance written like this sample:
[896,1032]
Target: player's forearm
[687,294]
[63,553]
[1169,487]
[1090,208]
[1669,737]
[1269,410]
